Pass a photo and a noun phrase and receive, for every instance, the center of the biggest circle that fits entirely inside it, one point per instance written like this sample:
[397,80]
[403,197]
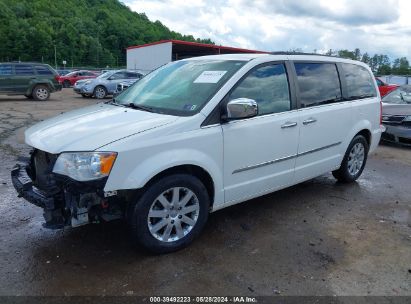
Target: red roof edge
[212,46]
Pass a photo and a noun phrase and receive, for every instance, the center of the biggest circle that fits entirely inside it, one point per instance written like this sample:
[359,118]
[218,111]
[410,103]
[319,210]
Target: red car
[71,78]
[384,87]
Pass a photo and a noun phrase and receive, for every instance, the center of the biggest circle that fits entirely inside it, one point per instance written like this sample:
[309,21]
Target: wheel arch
[194,170]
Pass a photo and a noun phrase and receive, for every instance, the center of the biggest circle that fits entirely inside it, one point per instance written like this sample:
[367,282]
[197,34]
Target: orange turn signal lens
[106,162]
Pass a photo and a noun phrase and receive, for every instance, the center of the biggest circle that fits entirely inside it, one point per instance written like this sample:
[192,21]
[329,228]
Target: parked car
[105,84]
[71,78]
[396,116]
[384,87]
[199,135]
[33,80]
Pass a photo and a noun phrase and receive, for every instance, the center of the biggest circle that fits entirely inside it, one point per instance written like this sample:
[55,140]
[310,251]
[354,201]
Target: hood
[391,109]
[89,128]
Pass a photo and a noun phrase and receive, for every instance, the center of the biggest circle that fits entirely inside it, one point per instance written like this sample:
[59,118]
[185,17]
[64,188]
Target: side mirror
[241,108]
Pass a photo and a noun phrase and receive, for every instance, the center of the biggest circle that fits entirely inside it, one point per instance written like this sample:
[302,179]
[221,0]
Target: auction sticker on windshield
[210,77]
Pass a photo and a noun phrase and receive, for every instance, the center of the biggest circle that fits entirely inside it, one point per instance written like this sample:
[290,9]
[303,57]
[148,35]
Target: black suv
[33,80]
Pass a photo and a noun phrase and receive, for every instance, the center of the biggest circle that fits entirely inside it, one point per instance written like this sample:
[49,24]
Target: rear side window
[42,70]
[319,83]
[268,86]
[360,83]
[24,69]
[6,69]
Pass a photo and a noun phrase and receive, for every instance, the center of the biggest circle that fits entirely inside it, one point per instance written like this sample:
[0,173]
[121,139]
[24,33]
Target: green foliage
[84,32]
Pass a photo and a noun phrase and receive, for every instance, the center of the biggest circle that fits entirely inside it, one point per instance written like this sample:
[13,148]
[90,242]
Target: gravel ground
[316,238]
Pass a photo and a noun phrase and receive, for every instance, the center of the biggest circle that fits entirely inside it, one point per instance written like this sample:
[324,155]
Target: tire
[354,160]
[178,228]
[66,84]
[41,93]
[100,92]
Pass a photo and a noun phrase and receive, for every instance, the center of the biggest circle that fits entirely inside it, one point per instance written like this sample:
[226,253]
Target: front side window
[360,83]
[401,95]
[23,69]
[6,69]
[118,75]
[318,83]
[180,88]
[268,86]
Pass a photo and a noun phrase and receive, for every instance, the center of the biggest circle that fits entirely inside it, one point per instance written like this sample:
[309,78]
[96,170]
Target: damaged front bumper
[65,202]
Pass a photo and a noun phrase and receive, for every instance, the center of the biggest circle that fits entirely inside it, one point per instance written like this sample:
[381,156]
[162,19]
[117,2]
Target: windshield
[180,88]
[401,95]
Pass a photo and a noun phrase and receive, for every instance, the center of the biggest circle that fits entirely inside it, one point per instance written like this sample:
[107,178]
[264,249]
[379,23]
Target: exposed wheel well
[197,171]
[367,134]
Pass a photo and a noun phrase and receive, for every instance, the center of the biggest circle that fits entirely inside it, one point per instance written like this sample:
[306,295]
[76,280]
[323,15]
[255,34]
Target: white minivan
[198,135]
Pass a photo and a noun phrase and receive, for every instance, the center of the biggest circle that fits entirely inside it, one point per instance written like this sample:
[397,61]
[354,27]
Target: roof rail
[300,53]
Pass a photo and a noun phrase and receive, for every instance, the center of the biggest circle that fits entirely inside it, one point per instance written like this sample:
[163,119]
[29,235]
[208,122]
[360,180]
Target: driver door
[260,152]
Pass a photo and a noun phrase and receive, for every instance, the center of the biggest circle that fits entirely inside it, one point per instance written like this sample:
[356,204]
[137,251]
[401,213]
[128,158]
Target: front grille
[387,136]
[404,140]
[407,124]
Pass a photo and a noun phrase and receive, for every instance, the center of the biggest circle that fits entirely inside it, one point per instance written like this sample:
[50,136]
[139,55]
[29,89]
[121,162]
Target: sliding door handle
[309,121]
[288,124]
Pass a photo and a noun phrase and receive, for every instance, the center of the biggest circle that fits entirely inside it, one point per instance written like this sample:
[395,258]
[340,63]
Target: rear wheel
[354,160]
[66,84]
[41,93]
[100,92]
[170,214]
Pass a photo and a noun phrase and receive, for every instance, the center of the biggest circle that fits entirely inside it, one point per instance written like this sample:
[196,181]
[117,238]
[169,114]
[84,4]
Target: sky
[374,26]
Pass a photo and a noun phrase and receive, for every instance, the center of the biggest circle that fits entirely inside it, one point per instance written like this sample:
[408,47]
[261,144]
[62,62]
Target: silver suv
[105,84]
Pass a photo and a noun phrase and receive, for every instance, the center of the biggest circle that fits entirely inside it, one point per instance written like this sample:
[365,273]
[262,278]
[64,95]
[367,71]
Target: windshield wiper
[114,103]
[140,107]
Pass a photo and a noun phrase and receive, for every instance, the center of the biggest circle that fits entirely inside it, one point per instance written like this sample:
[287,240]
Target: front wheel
[100,92]
[41,93]
[66,84]
[354,160]
[170,214]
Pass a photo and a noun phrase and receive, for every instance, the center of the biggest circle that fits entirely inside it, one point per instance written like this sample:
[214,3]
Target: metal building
[147,57]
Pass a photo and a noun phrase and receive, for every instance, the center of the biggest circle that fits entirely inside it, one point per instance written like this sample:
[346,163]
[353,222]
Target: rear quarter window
[318,83]
[359,81]
[42,70]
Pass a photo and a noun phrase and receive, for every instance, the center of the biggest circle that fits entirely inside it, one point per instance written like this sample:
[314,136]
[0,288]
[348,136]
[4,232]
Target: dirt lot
[317,238]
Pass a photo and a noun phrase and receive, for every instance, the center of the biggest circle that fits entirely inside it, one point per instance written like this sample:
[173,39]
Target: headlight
[407,118]
[85,166]
[88,82]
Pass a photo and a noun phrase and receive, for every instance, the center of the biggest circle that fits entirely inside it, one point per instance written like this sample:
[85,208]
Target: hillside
[84,32]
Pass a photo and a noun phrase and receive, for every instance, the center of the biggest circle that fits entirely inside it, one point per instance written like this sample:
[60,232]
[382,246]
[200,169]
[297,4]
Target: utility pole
[55,56]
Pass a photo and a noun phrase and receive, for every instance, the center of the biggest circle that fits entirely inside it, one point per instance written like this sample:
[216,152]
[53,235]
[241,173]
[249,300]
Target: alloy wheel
[356,159]
[173,214]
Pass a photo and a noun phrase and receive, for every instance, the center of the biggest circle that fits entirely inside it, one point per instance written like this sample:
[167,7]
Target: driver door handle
[309,121]
[288,124]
